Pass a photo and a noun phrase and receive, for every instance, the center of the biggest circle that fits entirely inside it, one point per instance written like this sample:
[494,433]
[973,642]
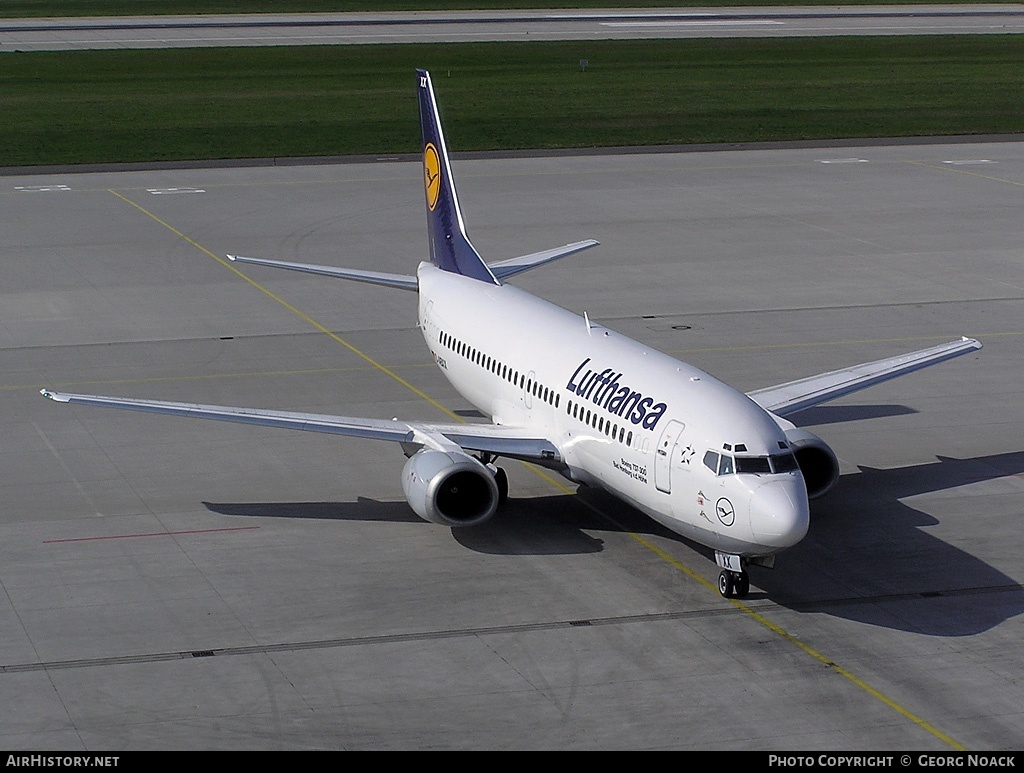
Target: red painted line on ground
[154,534]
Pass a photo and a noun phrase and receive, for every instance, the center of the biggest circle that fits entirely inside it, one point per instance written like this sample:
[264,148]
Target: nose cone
[779,513]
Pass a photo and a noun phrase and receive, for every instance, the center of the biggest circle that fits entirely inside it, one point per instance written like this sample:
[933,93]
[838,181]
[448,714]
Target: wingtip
[231,257]
[57,397]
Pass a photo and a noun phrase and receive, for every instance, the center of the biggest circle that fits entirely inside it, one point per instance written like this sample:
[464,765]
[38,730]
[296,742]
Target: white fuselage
[658,433]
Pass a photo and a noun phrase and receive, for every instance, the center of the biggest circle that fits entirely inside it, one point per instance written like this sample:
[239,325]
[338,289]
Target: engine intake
[817,461]
[449,488]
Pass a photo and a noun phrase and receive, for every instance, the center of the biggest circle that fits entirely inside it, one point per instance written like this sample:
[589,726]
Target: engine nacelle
[449,488]
[817,461]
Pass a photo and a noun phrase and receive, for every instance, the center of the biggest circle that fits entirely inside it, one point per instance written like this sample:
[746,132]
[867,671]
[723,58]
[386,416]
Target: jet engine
[449,488]
[817,461]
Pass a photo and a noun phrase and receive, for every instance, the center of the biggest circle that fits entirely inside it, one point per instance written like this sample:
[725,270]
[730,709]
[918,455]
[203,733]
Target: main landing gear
[733,584]
[500,476]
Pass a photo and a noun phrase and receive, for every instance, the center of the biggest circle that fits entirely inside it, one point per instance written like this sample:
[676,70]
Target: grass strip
[111,106]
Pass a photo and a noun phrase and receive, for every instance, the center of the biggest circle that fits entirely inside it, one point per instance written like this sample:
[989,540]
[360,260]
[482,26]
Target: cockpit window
[723,464]
[711,461]
[785,463]
[753,464]
[765,465]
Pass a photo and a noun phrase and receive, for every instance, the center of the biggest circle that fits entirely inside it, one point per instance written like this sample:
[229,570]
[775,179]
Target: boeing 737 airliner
[720,467]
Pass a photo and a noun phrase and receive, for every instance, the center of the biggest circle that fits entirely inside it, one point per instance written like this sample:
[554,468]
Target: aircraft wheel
[725,584]
[742,585]
[501,478]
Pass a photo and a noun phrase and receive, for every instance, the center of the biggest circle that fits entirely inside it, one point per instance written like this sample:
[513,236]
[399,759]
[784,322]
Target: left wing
[499,440]
[785,399]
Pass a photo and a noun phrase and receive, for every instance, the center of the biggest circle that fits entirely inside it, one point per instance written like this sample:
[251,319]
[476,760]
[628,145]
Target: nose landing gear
[733,581]
[733,584]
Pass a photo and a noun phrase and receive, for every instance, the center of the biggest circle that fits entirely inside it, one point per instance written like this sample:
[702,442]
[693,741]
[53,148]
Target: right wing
[499,440]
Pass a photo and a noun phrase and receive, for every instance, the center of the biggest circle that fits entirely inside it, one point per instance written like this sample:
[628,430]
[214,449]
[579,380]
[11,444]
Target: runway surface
[184,584]
[465,26]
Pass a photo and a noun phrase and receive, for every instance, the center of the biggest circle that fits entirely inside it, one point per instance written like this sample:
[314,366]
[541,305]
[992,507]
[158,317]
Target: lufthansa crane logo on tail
[431,175]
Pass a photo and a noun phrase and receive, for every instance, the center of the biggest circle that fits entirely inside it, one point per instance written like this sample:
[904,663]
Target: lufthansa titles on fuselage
[605,391]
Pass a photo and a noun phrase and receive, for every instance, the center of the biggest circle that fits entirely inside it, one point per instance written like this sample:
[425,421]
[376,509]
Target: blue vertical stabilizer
[450,248]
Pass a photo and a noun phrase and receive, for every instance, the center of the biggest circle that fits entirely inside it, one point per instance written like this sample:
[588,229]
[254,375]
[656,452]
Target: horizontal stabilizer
[506,268]
[785,399]
[401,281]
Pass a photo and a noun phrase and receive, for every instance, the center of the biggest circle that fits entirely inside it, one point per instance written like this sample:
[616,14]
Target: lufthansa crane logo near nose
[726,513]
[431,175]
